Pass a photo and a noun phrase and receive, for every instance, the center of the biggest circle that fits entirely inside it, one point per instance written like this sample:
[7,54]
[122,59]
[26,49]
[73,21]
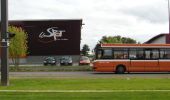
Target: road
[86,75]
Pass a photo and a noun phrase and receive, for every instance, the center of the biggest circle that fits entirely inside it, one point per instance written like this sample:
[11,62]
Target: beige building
[159,39]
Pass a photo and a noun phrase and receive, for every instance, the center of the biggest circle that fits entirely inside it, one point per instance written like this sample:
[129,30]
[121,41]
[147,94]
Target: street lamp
[4,43]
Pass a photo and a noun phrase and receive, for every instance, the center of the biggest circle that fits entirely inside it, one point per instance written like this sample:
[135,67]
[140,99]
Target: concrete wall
[31,60]
[40,59]
[22,61]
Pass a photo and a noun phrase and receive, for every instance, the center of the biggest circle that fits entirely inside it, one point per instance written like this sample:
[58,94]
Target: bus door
[137,61]
[104,57]
[164,62]
[137,66]
[151,60]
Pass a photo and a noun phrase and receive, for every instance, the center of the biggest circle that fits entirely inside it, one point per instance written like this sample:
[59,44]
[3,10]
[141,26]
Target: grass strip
[80,91]
[87,84]
[87,96]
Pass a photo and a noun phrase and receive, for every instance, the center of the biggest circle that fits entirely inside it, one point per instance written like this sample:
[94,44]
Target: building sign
[52,34]
[52,37]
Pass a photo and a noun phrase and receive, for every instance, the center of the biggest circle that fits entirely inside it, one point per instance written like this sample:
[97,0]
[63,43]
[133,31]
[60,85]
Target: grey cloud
[101,17]
[153,14]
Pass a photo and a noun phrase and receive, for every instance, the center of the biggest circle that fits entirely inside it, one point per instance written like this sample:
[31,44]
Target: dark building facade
[52,37]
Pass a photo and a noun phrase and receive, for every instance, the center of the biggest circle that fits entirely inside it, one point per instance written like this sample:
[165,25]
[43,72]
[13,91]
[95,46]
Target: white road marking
[81,91]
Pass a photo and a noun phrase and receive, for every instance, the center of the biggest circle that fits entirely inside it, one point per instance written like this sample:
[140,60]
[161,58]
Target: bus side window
[155,54]
[136,54]
[140,54]
[148,54]
[164,53]
[99,54]
[107,54]
[132,54]
[120,53]
[167,54]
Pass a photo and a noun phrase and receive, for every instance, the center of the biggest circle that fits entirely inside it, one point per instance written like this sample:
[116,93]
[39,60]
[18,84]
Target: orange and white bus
[121,58]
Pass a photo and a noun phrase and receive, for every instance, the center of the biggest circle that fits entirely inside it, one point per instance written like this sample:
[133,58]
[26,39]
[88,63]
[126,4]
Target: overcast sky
[138,19]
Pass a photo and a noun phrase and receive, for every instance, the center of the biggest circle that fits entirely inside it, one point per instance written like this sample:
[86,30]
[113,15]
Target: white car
[84,60]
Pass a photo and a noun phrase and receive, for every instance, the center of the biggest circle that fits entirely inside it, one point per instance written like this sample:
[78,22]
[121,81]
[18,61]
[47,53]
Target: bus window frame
[121,50]
[164,49]
[137,50]
[151,53]
[102,53]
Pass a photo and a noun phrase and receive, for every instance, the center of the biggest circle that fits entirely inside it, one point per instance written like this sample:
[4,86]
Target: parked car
[84,60]
[66,60]
[49,61]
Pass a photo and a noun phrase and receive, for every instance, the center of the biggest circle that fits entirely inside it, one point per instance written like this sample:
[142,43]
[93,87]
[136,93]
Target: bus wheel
[120,69]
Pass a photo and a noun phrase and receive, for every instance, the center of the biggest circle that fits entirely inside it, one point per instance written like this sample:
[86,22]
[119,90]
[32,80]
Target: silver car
[49,61]
[66,60]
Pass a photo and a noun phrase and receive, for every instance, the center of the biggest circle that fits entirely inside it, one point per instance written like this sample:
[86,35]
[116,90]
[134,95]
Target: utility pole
[4,44]
[169,15]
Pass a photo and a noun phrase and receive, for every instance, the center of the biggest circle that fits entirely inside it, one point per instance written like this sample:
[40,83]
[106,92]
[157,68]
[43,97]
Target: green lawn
[86,96]
[87,84]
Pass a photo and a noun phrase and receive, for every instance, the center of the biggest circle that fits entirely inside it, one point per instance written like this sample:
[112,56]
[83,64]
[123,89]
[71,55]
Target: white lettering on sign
[52,32]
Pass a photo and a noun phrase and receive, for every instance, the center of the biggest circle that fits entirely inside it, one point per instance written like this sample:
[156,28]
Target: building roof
[155,37]
[136,45]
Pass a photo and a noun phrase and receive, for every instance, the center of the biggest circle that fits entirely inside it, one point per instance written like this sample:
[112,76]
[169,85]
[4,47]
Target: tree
[18,44]
[110,39]
[117,39]
[85,50]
